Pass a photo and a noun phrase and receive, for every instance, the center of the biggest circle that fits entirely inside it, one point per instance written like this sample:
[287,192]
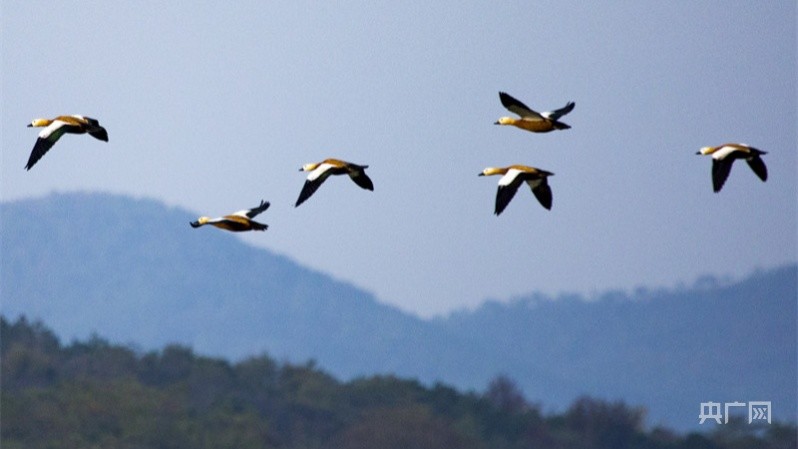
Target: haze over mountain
[132,270]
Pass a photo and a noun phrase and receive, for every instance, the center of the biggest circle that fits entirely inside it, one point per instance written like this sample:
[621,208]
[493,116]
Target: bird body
[57,127]
[237,221]
[512,178]
[320,171]
[723,157]
[531,120]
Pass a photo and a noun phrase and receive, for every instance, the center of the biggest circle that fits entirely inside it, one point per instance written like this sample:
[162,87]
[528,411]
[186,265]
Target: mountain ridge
[139,281]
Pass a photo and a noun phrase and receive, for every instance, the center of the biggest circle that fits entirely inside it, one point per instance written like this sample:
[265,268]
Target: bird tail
[561,125]
[259,226]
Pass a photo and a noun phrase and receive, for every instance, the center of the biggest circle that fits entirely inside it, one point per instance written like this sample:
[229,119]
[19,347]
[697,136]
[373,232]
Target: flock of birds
[513,176]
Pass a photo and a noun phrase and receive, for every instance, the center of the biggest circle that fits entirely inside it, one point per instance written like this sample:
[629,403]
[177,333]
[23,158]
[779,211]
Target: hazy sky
[212,106]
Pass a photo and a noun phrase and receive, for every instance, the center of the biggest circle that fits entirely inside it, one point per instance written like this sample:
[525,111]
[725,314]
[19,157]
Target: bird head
[39,122]
[310,167]
[200,221]
[490,171]
[706,150]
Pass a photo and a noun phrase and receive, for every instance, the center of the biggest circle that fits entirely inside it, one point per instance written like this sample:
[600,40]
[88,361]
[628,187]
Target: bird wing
[519,108]
[252,213]
[758,166]
[361,179]
[47,138]
[93,127]
[308,189]
[542,191]
[313,182]
[98,133]
[508,186]
[557,113]
[720,171]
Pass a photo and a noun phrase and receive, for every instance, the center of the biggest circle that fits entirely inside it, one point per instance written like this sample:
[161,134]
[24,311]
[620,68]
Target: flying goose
[530,120]
[513,177]
[723,157]
[55,128]
[320,171]
[237,221]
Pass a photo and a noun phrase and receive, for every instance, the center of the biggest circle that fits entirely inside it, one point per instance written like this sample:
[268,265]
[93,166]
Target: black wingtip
[99,133]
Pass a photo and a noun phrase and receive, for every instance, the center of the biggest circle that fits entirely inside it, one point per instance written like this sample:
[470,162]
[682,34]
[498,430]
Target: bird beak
[496,122]
[30,125]
[698,153]
[481,174]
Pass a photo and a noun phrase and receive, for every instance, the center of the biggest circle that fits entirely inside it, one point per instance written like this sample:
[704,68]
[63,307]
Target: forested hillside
[94,394]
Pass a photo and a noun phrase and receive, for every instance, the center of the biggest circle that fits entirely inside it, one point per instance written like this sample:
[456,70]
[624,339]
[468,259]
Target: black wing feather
[554,115]
[362,179]
[99,133]
[252,213]
[513,105]
[543,193]
[41,147]
[505,194]
[309,189]
[720,172]
[758,166]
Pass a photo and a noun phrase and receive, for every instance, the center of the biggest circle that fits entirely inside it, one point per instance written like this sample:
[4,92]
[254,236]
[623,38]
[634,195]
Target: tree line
[94,394]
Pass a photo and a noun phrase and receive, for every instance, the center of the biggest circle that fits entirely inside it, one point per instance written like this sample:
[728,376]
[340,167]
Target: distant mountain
[134,271]
[86,263]
[669,350]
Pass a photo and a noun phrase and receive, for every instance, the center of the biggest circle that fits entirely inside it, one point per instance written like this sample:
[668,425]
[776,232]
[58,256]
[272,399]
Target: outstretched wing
[519,108]
[508,186]
[542,191]
[252,213]
[308,189]
[720,172]
[361,179]
[47,138]
[99,133]
[554,115]
[758,166]
[314,180]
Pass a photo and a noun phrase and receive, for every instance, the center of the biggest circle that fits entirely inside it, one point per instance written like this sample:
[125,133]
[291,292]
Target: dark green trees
[95,394]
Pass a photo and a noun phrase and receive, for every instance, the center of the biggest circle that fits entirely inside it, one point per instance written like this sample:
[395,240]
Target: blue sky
[213,106]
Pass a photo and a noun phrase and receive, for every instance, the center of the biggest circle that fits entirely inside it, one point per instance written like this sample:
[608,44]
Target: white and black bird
[512,178]
[237,221]
[57,127]
[320,171]
[530,120]
[723,157]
